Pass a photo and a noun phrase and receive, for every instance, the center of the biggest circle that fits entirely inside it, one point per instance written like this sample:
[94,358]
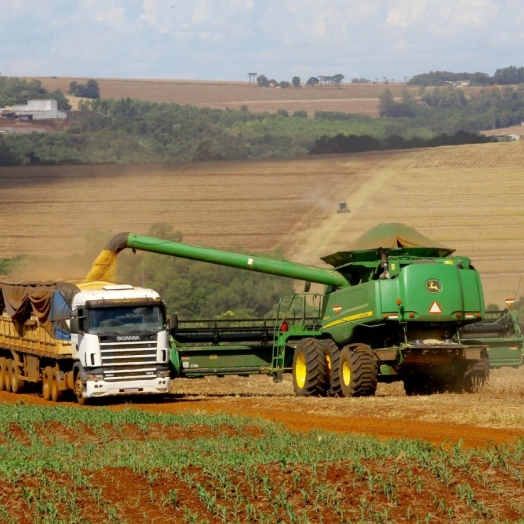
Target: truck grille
[128,360]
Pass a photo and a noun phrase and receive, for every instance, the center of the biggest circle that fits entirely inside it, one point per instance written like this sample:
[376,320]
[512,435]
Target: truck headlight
[162,373]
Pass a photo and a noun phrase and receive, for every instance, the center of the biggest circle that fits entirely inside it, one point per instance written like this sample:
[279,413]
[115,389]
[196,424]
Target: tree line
[511,75]
[17,91]
[334,80]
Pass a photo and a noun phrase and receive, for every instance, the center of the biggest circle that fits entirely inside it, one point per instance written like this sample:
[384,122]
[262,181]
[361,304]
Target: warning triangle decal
[435,308]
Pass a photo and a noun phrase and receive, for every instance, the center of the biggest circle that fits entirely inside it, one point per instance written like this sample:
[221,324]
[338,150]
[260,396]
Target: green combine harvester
[391,309]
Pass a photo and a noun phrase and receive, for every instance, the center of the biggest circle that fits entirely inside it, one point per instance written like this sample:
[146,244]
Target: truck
[503,334]
[391,309]
[91,339]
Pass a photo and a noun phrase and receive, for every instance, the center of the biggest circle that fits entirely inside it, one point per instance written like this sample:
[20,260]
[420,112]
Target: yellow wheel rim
[346,373]
[300,370]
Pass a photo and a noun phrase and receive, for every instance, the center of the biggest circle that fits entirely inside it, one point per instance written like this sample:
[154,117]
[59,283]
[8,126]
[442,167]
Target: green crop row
[63,464]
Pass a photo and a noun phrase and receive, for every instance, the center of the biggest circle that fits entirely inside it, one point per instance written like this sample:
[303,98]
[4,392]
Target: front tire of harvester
[309,368]
[17,384]
[46,382]
[79,388]
[358,371]
[56,394]
[7,375]
[332,356]
[476,375]
[4,373]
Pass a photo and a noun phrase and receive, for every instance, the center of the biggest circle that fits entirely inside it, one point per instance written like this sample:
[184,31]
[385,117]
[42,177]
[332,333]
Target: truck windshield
[137,319]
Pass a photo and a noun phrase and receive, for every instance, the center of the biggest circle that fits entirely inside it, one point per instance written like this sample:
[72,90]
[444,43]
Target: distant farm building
[35,110]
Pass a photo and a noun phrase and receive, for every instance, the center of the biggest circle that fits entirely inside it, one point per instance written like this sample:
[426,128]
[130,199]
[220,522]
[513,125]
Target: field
[205,458]
[467,197]
[245,449]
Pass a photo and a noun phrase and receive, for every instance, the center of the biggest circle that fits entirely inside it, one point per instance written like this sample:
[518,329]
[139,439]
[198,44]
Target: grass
[132,466]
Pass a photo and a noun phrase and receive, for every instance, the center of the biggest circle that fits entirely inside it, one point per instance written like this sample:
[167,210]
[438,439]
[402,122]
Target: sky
[226,39]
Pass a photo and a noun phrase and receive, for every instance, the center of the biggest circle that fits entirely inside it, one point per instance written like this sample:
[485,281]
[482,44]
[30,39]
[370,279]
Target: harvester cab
[342,207]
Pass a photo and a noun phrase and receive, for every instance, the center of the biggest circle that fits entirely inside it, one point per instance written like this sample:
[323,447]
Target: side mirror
[173,321]
[73,323]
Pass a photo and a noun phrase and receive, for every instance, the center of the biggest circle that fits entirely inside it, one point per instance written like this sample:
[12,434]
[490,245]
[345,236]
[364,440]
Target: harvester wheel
[309,368]
[4,374]
[7,374]
[56,393]
[332,356]
[46,382]
[17,384]
[476,375]
[358,371]
[418,385]
[79,388]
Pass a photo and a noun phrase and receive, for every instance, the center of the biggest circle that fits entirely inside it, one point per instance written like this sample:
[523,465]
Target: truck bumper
[104,388]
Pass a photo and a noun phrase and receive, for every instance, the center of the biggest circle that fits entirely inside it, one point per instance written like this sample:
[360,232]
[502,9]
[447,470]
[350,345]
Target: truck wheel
[79,388]
[358,371]
[309,368]
[56,394]
[476,375]
[4,374]
[332,356]
[17,384]
[46,382]
[7,374]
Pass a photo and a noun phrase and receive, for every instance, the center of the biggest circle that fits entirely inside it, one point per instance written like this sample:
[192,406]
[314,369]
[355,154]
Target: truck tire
[309,368]
[4,374]
[17,384]
[56,394]
[358,371]
[332,356]
[476,375]
[8,362]
[46,382]
[79,388]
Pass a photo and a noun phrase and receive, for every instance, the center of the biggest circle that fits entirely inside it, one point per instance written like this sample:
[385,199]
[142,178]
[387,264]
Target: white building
[38,110]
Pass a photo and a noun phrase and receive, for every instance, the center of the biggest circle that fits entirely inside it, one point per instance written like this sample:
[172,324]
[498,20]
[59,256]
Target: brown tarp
[395,235]
[21,298]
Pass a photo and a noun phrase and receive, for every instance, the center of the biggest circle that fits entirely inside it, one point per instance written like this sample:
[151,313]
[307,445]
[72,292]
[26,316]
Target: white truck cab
[119,341]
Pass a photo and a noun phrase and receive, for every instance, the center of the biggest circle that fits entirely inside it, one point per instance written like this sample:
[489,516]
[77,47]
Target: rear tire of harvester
[17,383]
[358,371]
[476,376]
[7,374]
[46,382]
[56,394]
[332,356]
[309,368]
[79,388]
[418,385]
[4,374]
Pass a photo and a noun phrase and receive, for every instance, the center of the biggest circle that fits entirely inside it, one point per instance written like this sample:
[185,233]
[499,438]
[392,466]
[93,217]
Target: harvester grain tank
[95,339]
[390,311]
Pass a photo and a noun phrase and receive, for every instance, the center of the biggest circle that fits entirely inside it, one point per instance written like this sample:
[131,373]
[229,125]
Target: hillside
[468,197]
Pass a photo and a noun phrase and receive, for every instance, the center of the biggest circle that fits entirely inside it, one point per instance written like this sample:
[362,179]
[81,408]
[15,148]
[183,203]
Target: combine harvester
[391,310]
[95,339]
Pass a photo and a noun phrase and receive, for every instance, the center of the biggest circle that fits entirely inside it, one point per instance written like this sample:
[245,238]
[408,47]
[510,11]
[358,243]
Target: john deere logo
[433,286]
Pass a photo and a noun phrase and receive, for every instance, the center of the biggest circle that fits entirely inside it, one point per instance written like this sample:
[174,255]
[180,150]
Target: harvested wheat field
[467,197]
[351,98]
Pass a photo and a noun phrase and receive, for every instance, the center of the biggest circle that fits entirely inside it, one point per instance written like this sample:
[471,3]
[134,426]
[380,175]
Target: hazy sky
[226,39]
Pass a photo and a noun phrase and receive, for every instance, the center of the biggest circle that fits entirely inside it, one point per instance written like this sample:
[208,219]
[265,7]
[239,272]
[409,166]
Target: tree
[88,90]
[337,79]
[296,81]
[284,84]
[313,81]
[262,81]
[282,112]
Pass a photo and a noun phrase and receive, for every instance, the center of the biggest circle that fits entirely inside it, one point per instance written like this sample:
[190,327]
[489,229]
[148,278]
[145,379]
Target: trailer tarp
[50,302]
